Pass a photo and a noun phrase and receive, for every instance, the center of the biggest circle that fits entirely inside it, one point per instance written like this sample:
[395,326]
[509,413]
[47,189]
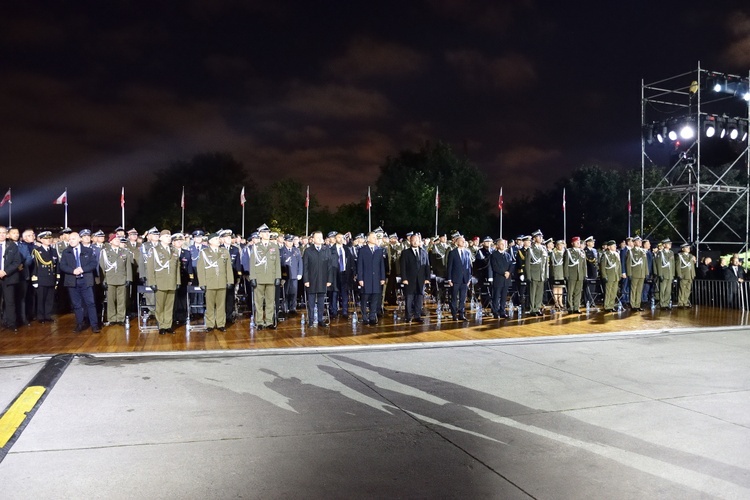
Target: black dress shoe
[345,315]
[222,329]
[259,327]
[162,331]
[272,327]
[78,329]
[169,330]
[419,320]
[454,318]
[462,318]
[210,329]
[373,322]
[322,324]
[96,329]
[311,324]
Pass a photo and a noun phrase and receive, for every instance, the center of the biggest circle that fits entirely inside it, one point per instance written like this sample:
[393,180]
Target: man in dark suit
[79,264]
[317,276]
[371,278]
[459,276]
[734,275]
[11,265]
[415,274]
[500,272]
[343,276]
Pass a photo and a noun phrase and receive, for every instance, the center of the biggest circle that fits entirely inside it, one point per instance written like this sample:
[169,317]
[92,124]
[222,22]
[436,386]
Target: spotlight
[709,126]
[687,131]
[648,134]
[721,128]
[660,130]
[672,131]
[719,83]
[742,130]
[732,129]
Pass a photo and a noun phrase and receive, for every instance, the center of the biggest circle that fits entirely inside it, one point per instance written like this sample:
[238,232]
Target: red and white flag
[630,207]
[182,199]
[692,204]
[242,196]
[307,198]
[62,199]
[122,198]
[369,200]
[437,197]
[6,199]
[500,200]
[563,199]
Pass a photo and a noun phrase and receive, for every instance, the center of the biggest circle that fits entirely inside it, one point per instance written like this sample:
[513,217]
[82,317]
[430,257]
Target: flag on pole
[122,198]
[630,207]
[62,199]
[182,199]
[437,197]
[307,198]
[563,205]
[500,200]
[692,204]
[242,196]
[369,200]
[6,199]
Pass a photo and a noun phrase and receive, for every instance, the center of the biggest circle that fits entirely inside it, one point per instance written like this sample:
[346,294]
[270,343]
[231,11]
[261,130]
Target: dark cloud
[508,72]
[366,58]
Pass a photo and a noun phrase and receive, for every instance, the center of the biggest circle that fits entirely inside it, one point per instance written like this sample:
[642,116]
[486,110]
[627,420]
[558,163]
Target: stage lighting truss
[685,131]
[685,119]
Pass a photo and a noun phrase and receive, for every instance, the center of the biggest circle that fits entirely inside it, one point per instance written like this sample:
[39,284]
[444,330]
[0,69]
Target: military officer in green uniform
[609,270]
[635,268]
[664,271]
[215,277]
[574,270]
[685,272]
[265,276]
[536,269]
[116,264]
[163,268]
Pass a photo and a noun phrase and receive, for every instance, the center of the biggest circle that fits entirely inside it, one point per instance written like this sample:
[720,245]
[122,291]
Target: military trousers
[575,289]
[683,293]
[536,295]
[610,294]
[265,292]
[116,303]
[215,315]
[636,292]
[164,309]
[665,291]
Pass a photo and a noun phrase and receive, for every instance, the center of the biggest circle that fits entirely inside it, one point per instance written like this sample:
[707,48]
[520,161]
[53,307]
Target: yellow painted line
[16,414]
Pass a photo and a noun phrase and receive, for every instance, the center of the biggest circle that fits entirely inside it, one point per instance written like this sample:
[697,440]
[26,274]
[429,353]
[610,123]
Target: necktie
[78,257]
[341,259]
[416,253]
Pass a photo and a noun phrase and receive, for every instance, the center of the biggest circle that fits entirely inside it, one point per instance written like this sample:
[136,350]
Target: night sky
[95,98]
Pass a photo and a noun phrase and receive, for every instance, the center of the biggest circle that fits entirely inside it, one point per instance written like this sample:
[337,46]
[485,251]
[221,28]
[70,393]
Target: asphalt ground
[630,415]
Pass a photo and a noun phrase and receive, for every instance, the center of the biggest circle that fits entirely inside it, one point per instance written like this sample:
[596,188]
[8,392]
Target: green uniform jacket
[557,265]
[536,265]
[214,268]
[637,261]
[685,266]
[265,263]
[664,264]
[117,265]
[574,264]
[163,268]
[609,266]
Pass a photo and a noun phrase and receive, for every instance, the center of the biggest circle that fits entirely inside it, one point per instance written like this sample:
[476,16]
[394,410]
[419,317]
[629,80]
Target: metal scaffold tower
[695,160]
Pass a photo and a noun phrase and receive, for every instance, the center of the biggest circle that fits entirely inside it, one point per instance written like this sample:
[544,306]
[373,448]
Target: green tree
[212,183]
[404,198]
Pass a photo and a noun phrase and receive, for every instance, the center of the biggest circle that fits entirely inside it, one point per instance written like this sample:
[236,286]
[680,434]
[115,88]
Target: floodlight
[687,131]
[709,126]
[732,129]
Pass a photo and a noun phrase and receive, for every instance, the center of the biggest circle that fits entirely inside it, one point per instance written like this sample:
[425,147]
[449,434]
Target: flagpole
[242,199]
[500,206]
[565,219]
[369,210]
[10,209]
[629,210]
[182,205]
[437,206]
[307,211]
[66,207]
[122,206]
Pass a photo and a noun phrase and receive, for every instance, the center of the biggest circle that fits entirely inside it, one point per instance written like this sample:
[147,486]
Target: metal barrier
[721,294]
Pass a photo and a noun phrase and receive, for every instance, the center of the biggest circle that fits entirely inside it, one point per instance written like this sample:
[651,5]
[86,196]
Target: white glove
[490,279]
[299,276]
[522,278]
